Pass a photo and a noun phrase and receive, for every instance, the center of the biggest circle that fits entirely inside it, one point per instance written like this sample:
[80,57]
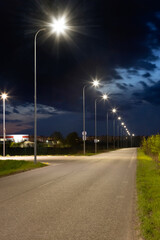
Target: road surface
[91,198]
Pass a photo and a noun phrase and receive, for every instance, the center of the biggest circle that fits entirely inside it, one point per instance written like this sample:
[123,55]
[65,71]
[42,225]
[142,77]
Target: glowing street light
[105,96]
[4,97]
[114,110]
[58,27]
[119,118]
[95,83]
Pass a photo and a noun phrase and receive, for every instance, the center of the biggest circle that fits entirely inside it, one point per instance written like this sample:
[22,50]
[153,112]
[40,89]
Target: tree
[58,138]
[72,139]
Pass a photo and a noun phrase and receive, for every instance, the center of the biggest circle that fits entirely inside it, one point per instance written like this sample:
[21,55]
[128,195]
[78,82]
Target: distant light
[119,118]
[59,25]
[95,83]
[19,138]
[122,123]
[114,110]
[124,126]
[105,97]
[4,96]
[133,135]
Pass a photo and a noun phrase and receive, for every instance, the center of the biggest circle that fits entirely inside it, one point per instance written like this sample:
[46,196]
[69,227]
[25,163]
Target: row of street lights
[114,111]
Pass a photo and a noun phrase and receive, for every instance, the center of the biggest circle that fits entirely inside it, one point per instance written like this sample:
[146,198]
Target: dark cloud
[149,94]
[115,75]
[121,86]
[145,65]
[152,26]
[151,81]
[143,84]
[146,75]
[136,94]
[132,71]
[15,110]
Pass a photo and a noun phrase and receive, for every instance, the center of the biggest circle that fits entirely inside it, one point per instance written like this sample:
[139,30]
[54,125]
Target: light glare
[59,25]
[4,96]
[95,83]
[114,110]
[105,97]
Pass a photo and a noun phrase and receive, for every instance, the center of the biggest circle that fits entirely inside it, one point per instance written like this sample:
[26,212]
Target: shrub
[151,146]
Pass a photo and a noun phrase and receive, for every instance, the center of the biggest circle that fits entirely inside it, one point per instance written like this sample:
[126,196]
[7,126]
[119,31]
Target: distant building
[17,138]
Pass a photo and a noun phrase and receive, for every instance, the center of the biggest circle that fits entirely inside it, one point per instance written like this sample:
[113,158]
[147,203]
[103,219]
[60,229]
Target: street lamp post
[114,132]
[58,27]
[35,94]
[105,97]
[132,135]
[107,129]
[119,134]
[4,128]
[121,140]
[122,125]
[84,124]
[95,84]
[95,140]
[114,111]
[4,96]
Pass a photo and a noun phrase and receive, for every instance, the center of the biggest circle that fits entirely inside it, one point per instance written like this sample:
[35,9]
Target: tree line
[72,139]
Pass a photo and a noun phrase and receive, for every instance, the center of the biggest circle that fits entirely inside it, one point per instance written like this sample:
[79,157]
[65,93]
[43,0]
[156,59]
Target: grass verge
[148,188]
[8,167]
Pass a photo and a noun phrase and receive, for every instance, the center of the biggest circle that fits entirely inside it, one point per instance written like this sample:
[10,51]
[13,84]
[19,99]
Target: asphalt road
[91,198]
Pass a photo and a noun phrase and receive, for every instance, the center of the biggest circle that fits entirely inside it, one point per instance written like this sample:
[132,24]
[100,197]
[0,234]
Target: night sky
[117,41]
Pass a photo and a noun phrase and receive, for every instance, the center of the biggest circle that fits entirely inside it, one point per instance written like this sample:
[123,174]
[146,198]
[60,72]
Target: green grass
[8,167]
[148,187]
